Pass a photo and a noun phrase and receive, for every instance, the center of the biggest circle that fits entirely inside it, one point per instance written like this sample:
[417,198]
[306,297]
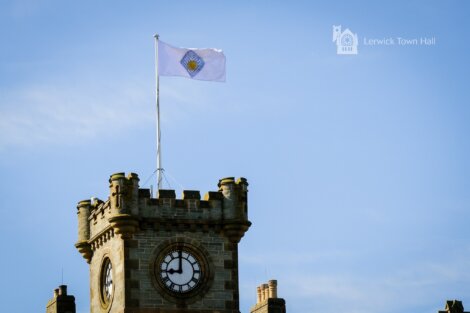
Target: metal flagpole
[159,148]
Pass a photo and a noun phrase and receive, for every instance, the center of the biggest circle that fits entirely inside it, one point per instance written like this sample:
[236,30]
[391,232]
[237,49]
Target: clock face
[108,281]
[107,285]
[180,271]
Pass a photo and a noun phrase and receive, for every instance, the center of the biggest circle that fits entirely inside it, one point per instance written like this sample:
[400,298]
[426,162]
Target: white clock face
[107,283]
[180,271]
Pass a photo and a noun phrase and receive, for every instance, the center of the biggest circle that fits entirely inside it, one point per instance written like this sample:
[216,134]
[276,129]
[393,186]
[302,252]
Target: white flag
[202,64]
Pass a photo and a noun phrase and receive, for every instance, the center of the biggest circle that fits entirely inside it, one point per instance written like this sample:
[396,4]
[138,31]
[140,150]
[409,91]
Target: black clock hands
[180,264]
[180,270]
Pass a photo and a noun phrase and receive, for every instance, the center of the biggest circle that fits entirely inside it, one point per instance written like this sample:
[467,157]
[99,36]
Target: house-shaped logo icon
[346,41]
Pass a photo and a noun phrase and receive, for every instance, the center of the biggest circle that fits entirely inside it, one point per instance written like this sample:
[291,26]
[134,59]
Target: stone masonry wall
[143,292]
[114,249]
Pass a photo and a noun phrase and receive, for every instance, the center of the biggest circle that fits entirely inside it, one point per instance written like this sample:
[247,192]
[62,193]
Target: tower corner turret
[83,214]
[235,207]
[124,197]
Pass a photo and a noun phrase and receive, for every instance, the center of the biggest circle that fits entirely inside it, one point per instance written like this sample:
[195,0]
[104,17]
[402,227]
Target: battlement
[129,209]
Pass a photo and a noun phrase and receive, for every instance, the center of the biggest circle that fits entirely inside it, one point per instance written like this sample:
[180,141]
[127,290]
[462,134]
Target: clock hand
[180,264]
[180,255]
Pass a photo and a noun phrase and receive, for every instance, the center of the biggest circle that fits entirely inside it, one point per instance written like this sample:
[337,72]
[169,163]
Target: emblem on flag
[192,63]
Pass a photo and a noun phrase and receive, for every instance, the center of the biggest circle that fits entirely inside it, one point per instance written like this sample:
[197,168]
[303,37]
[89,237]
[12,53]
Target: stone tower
[163,254]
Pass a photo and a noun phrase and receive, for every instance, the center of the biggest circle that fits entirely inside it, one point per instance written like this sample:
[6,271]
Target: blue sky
[358,165]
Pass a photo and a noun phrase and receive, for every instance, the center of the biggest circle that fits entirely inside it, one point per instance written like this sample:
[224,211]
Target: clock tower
[165,255]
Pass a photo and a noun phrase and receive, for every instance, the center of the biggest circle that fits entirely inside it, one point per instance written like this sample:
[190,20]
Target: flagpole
[159,149]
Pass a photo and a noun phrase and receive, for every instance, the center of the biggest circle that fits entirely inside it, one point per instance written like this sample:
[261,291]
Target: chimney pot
[272,288]
[266,291]
[62,290]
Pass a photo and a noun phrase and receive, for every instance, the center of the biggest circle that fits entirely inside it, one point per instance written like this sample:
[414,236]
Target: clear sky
[358,164]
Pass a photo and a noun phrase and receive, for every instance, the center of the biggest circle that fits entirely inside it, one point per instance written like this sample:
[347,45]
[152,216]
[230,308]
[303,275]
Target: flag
[202,64]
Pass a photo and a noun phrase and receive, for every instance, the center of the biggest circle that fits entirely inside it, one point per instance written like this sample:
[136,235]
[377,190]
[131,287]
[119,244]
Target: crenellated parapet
[130,209]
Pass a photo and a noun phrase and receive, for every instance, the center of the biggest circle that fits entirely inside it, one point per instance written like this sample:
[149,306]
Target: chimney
[272,288]
[453,306]
[266,291]
[61,302]
[267,300]
[62,290]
